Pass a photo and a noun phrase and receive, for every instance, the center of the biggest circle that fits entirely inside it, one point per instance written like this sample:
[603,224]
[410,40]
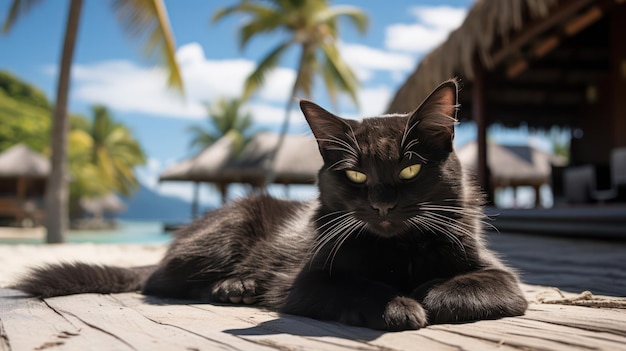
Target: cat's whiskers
[333,231]
[407,131]
[409,154]
[436,225]
[342,145]
[348,164]
[460,227]
[338,230]
[331,214]
[352,136]
[476,214]
[335,227]
[351,154]
[355,224]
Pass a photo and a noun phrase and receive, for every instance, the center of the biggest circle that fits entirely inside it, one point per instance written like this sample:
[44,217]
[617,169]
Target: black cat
[393,242]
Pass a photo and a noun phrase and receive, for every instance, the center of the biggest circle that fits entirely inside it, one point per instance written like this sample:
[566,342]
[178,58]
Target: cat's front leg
[355,301]
[485,294]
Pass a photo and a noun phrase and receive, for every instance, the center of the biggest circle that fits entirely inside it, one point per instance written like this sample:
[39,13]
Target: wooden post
[21,201]
[194,203]
[480,117]
[617,58]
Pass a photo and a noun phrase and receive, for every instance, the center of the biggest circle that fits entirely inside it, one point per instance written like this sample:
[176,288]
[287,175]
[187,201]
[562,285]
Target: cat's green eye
[356,177]
[410,172]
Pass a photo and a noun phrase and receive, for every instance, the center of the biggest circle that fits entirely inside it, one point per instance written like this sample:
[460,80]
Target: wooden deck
[556,320]
[130,321]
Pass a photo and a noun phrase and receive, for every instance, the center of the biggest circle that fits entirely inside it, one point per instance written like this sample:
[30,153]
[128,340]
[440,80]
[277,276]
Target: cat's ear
[325,126]
[436,116]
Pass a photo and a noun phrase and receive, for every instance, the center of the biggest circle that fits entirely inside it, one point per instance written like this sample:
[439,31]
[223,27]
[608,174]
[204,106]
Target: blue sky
[109,67]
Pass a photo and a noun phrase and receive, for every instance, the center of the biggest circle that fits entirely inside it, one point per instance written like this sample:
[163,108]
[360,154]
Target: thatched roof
[178,171]
[488,22]
[539,56]
[21,161]
[512,165]
[207,166]
[297,162]
[98,206]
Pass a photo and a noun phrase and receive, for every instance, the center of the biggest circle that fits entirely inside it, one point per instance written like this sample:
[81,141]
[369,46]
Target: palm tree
[115,152]
[225,116]
[146,19]
[102,156]
[313,27]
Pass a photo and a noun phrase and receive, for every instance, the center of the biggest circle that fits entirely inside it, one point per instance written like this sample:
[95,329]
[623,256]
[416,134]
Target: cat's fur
[388,254]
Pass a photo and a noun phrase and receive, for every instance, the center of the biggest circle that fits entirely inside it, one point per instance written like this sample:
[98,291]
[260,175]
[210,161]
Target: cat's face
[384,173]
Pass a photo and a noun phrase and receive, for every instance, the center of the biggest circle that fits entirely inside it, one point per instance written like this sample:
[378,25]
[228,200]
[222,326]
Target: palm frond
[260,24]
[244,7]
[352,13]
[18,8]
[257,77]
[340,72]
[148,19]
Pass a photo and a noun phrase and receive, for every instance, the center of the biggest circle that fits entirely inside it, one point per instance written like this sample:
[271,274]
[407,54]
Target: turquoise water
[135,232]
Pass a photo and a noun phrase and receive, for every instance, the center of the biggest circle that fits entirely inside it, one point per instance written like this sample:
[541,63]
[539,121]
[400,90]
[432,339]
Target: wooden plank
[601,338]
[4,338]
[132,321]
[178,314]
[520,333]
[532,30]
[293,332]
[103,312]
[29,324]
[585,318]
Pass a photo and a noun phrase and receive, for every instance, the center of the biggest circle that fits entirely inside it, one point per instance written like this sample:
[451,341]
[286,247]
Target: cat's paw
[404,313]
[475,296]
[235,290]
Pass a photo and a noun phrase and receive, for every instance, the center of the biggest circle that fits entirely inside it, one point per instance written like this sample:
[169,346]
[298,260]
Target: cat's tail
[77,278]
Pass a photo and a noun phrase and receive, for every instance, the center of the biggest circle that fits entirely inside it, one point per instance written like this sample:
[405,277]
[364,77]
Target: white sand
[15,259]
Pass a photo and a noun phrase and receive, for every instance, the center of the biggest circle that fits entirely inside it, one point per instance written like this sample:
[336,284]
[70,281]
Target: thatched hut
[539,62]
[23,174]
[297,162]
[513,165]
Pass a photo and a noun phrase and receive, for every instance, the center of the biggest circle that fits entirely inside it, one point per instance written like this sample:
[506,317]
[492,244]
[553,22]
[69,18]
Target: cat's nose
[383,208]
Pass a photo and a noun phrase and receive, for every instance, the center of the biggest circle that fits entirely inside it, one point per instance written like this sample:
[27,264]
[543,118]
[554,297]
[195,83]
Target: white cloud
[123,86]
[374,100]
[433,23]
[269,114]
[444,17]
[364,59]
[127,87]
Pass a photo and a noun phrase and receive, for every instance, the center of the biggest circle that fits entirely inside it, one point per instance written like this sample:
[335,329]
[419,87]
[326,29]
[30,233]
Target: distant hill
[146,204]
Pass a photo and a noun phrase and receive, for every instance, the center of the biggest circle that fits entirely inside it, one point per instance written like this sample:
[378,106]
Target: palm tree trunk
[270,175]
[57,187]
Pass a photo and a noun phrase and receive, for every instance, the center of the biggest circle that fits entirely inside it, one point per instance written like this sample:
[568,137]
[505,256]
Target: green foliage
[115,152]
[23,92]
[310,25]
[102,154]
[225,116]
[21,122]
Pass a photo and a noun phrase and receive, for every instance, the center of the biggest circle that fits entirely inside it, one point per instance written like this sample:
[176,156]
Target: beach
[15,259]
